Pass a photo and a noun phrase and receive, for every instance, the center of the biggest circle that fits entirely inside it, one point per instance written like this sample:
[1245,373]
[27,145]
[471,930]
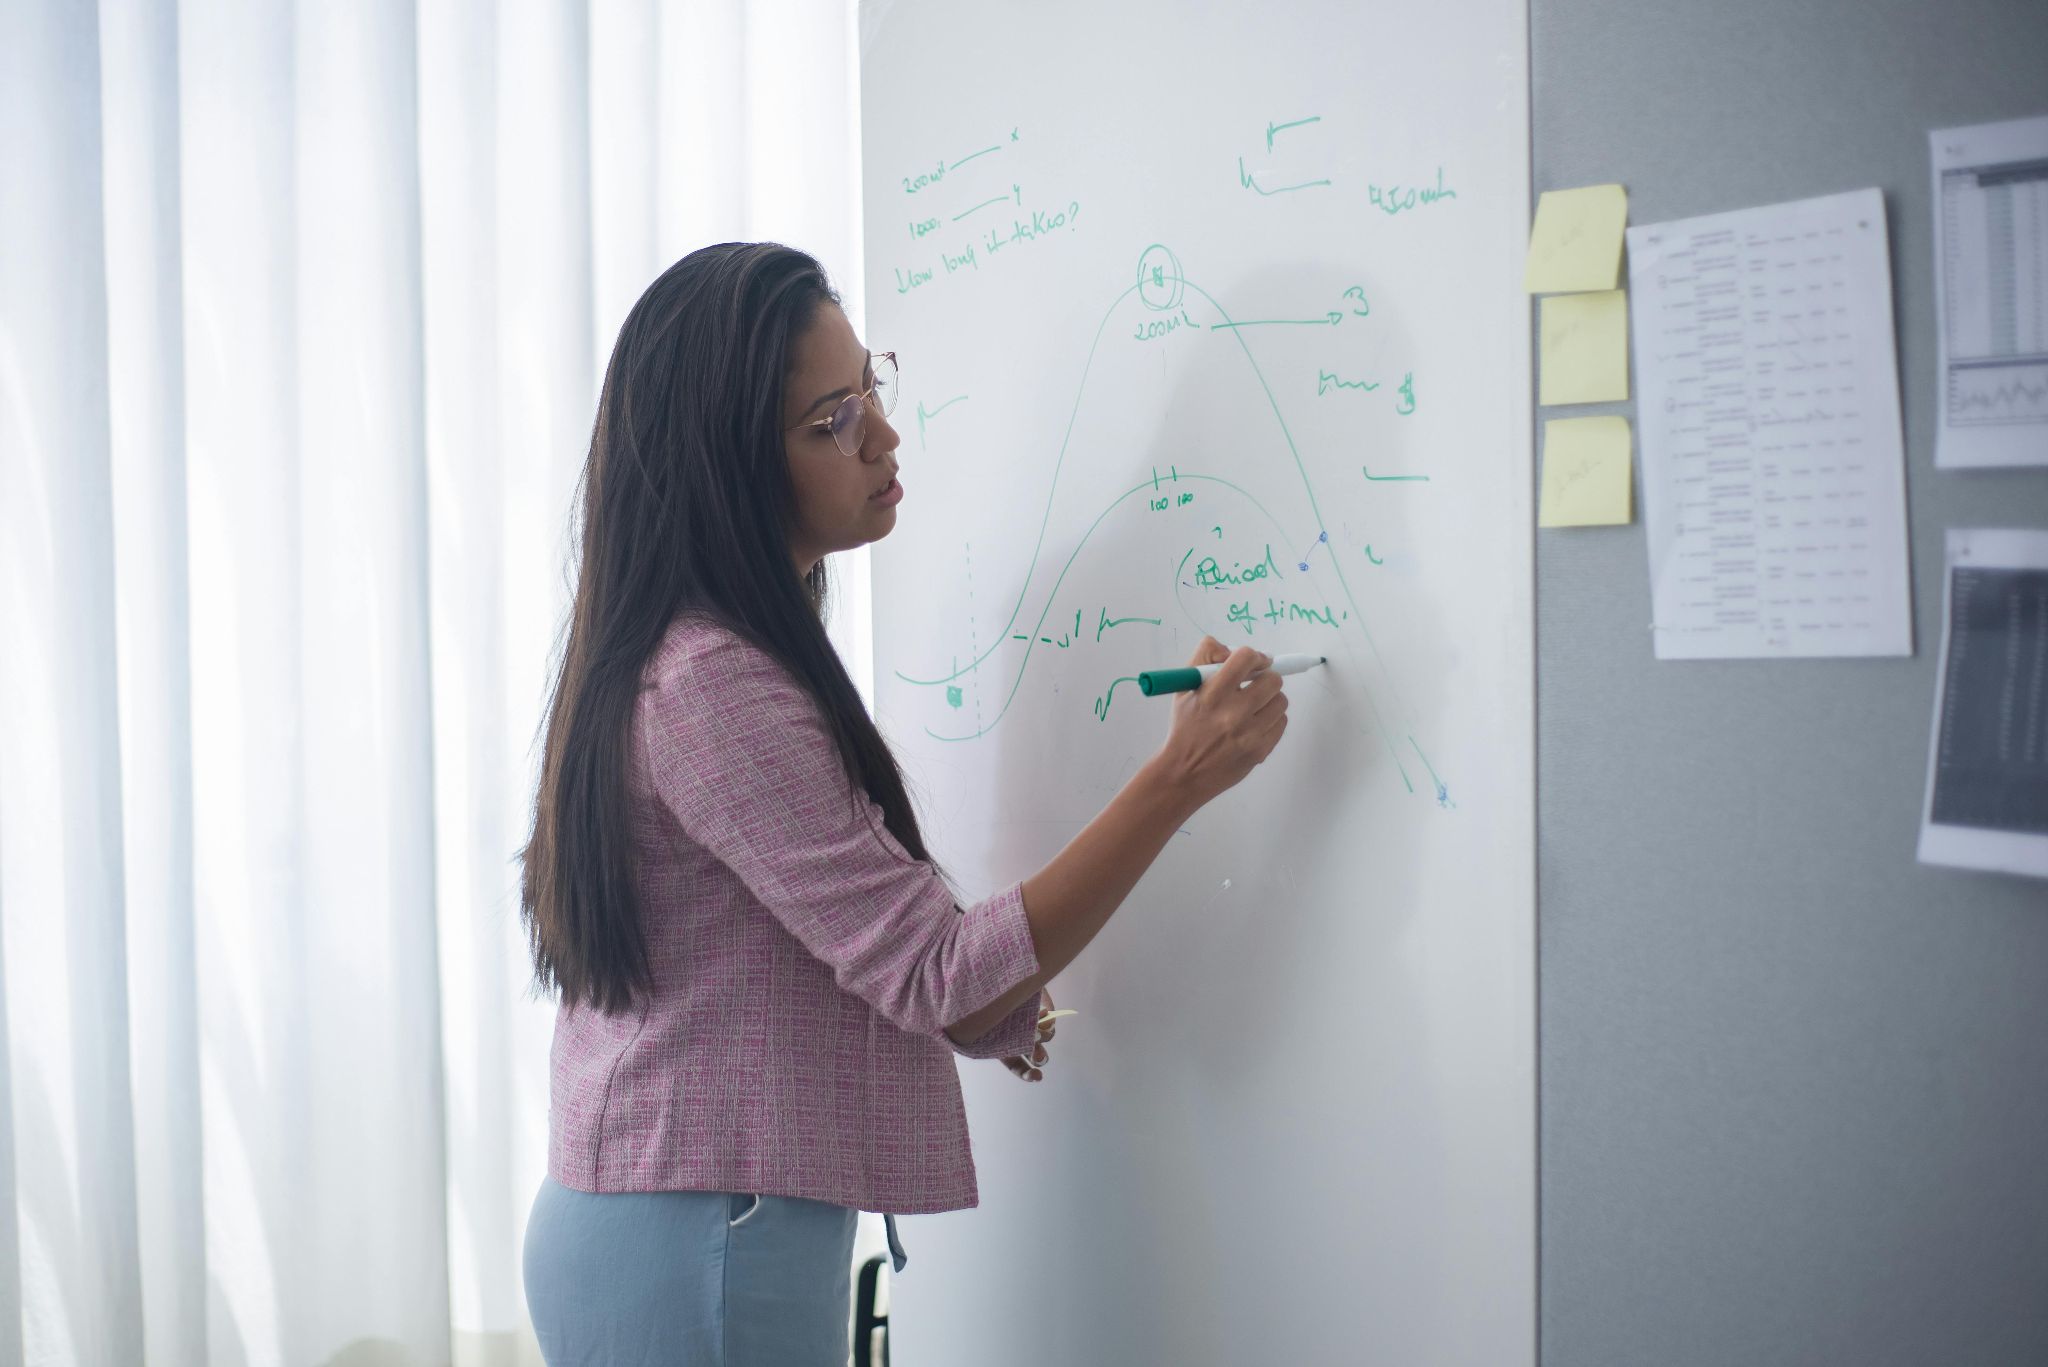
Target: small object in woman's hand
[1023,1065]
[1029,1068]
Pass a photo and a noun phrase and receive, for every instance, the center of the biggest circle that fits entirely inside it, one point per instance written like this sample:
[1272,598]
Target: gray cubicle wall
[1794,1086]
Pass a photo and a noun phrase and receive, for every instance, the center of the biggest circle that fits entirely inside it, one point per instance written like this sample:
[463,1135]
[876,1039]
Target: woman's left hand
[1032,1069]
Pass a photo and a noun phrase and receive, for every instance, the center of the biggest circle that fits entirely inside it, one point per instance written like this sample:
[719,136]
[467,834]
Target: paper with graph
[1211,323]
[1991,274]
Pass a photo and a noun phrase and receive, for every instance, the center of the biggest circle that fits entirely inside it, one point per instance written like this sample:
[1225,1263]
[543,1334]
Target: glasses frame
[858,403]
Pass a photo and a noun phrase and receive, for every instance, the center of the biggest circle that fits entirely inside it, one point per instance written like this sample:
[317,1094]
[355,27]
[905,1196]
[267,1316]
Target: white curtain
[303,311]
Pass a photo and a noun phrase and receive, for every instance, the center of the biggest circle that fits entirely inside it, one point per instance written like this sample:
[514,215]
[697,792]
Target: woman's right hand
[1221,731]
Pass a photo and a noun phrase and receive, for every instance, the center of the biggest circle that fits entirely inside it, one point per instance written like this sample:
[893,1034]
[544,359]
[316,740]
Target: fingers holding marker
[1266,694]
[1242,664]
[1234,671]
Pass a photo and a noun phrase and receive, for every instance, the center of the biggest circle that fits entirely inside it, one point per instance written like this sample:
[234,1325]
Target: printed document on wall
[1991,284]
[1987,764]
[1773,472]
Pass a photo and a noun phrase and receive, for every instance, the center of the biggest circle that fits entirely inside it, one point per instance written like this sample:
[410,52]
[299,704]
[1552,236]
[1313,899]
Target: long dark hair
[686,508]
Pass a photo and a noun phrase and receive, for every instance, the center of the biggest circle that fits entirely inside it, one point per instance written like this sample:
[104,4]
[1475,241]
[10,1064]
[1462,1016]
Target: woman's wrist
[1163,784]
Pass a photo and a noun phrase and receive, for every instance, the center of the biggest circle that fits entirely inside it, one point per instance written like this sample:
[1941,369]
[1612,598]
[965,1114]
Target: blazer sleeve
[739,753]
[1016,1033]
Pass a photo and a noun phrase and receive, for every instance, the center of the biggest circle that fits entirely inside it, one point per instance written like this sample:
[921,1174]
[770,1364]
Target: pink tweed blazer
[804,967]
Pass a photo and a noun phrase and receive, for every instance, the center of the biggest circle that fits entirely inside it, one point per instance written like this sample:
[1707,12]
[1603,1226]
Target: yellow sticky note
[1576,243]
[1585,348]
[1585,473]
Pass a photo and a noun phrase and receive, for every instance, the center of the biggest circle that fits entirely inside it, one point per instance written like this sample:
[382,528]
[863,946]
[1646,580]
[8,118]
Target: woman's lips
[889,496]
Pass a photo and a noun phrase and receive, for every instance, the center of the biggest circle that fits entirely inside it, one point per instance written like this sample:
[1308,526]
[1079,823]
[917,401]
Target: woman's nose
[881,437]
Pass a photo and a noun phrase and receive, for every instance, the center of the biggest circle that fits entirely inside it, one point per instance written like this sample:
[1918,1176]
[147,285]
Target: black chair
[871,1316]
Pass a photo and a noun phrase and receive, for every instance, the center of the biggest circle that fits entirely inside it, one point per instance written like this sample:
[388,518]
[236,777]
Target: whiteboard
[1210,322]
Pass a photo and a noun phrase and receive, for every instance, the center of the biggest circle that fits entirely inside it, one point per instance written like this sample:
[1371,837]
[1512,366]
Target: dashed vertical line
[973,646]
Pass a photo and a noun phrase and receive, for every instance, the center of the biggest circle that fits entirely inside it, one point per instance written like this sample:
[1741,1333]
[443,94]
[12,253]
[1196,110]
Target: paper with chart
[1991,282]
[1213,326]
[1987,764]
[1773,471]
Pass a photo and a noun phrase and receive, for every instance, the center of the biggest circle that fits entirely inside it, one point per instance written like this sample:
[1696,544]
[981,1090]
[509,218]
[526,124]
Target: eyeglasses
[848,422]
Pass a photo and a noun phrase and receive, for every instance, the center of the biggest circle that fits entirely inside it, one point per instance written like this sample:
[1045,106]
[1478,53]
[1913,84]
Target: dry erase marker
[1156,681]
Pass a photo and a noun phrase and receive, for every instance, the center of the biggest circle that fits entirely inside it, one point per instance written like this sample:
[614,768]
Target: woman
[762,976]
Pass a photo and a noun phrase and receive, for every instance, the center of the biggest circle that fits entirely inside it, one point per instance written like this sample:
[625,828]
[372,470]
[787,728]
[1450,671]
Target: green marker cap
[1156,681]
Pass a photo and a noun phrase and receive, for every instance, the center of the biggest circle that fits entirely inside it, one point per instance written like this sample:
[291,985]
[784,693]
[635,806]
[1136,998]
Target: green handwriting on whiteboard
[1102,703]
[1394,199]
[1108,621]
[1161,327]
[1103,623]
[1329,382]
[924,416]
[999,199]
[1246,181]
[1272,128]
[1326,380]
[1355,306]
[1328,320]
[1277,611]
[1163,287]
[1210,575]
[940,169]
[1042,223]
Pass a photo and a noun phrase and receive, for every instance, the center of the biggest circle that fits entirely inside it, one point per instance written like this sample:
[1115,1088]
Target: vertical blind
[303,312]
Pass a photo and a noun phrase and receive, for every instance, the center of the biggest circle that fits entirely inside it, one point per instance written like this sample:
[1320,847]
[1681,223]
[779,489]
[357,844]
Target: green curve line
[1441,791]
[1045,521]
[1336,562]
[979,207]
[1102,704]
[1245,182]
[1052,594]
[972,155]
[1066,441]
